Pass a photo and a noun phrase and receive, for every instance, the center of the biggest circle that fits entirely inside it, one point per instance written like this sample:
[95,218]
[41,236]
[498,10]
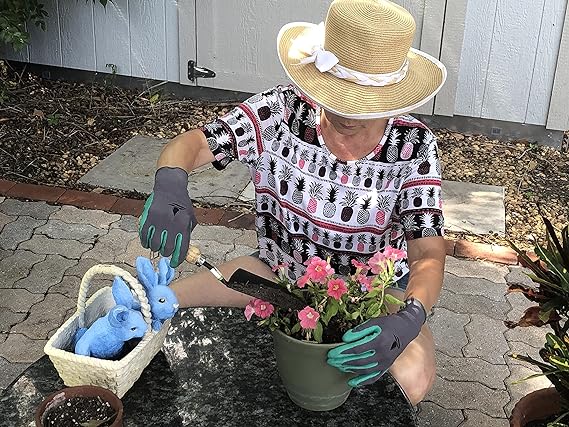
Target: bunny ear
[165,272]
[146,273]
[121,293]
[118,315]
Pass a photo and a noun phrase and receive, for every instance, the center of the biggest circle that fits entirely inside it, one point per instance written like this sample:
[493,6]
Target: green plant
[16,14]
[550,273]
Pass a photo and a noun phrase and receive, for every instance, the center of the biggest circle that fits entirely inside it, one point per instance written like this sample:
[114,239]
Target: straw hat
[359,63]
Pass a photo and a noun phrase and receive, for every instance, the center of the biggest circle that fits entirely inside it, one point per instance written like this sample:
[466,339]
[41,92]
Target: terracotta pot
[83,391]
[308,379]
[538,405]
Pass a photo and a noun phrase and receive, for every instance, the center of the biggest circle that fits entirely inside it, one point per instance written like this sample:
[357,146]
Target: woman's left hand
[371,348]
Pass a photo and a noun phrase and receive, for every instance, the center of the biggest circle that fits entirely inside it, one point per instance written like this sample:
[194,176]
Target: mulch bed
[53,132]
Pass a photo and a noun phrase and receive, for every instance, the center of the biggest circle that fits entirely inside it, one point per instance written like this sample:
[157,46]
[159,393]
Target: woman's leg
[202,289]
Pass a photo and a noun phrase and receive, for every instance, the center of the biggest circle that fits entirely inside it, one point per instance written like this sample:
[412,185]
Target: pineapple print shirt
[309,203]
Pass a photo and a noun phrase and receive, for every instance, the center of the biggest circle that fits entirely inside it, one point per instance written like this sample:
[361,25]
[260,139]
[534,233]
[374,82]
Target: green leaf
[553,266]
[331,311]
[154,98]
[318,332]
[557,345]
[559,362]
[390,299]
[295,328]
[356,314]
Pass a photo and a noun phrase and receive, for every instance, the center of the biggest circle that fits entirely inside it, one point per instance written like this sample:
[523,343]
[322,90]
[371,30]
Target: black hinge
[195,72]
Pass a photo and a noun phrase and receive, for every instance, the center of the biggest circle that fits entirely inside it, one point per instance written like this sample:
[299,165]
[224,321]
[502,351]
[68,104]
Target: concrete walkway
[45,250]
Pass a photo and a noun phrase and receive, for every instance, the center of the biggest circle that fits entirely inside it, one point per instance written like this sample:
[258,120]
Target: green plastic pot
[309,381]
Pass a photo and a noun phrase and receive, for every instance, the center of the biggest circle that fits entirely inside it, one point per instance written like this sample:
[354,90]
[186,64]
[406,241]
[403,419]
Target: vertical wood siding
[140,37]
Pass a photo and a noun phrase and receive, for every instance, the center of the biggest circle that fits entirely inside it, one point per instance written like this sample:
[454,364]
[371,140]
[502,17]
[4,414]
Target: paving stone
[472,369]
[474,286]
[41,244]
[20,349]
[478,419]
[249,238]
[38,210]
[448,331]
[474,208]
[486,339]
[532,336]
[478,269]
[9,372]
[133,165]
[127,223]
[248,194]
[133,250]
[469,395]
[518,275]
[475,304]
[94,217]
[68,286]
[214,252]
[18,231]
[44,317]
[519,304]
[217,233]
[110,246]
[17,266]
[81,267]
[525,350]
[5,254]
[9,319]
[519,390]
[45,274]
[56,229]
[2,199]
[5,219]
[3,337]
[18,300]
[238,251]
[432,415]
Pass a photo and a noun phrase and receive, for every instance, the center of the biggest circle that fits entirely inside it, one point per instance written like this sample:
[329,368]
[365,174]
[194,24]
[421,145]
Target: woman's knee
[420,385]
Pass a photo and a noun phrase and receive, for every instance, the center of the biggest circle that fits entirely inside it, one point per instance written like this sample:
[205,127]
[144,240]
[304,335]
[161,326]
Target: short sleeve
[420,203]
[240,134]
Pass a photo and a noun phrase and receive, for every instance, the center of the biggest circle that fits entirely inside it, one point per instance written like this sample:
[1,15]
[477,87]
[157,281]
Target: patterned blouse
[310,203]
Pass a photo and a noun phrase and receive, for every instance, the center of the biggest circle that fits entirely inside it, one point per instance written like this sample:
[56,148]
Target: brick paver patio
[44,251]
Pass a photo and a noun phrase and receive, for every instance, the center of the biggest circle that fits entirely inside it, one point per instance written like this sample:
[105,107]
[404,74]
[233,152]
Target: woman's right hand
[168,217]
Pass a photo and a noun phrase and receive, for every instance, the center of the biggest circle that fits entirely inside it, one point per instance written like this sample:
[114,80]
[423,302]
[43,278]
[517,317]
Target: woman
[339,171]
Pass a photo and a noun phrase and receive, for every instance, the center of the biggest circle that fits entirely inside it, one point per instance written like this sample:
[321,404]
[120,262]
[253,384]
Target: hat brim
[424,79]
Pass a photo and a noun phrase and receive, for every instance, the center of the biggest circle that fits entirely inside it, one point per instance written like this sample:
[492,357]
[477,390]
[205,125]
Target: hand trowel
[249,283]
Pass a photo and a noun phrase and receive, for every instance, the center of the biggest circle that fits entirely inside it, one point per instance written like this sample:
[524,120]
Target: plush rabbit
[162,299]
[105,338]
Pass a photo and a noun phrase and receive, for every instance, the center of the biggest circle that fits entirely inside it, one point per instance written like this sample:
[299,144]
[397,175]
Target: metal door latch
[195,72]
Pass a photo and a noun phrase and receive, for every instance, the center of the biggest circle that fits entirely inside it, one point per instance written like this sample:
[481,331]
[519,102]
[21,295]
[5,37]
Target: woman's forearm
[188,151]
[426,265]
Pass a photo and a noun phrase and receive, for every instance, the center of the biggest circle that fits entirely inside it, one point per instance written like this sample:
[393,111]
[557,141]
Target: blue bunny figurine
[105,338]
[123,295]
[162,299]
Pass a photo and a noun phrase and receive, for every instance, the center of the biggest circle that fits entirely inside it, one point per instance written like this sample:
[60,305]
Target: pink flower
[249,311]
[263,309]
[337,288]
[301,283]
[365,282]
[394,254]
[278,267]
[359,265]
[377,263]
[318,270]
[308,317]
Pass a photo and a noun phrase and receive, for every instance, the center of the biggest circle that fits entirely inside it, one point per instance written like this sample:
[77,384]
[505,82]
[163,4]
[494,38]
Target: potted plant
[550,273]
[334,304]
[85,406]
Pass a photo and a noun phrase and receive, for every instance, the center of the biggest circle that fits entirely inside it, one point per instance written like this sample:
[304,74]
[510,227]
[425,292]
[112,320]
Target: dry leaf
[39,113]
[532,164]
[90,121]
[458,136]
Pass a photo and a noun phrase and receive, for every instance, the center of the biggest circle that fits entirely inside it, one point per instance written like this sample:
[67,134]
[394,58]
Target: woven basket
[115,375]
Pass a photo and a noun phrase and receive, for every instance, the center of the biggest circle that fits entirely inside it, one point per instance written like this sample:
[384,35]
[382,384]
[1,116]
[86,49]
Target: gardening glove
[371,348]
[168,217]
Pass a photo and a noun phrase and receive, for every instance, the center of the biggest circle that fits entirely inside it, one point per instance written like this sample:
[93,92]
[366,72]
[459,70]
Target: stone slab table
[215,369]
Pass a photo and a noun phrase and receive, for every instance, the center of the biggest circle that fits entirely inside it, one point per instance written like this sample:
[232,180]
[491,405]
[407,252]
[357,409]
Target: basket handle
[114,271]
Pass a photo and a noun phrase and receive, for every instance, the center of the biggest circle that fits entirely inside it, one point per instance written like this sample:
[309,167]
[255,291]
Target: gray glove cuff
[416,309]
[171,178]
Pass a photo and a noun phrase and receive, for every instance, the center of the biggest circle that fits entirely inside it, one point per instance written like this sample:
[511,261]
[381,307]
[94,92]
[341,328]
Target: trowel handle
[195,256]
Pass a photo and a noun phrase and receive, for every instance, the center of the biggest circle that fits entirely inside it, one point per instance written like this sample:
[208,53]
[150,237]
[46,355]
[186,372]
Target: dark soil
[80,411]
